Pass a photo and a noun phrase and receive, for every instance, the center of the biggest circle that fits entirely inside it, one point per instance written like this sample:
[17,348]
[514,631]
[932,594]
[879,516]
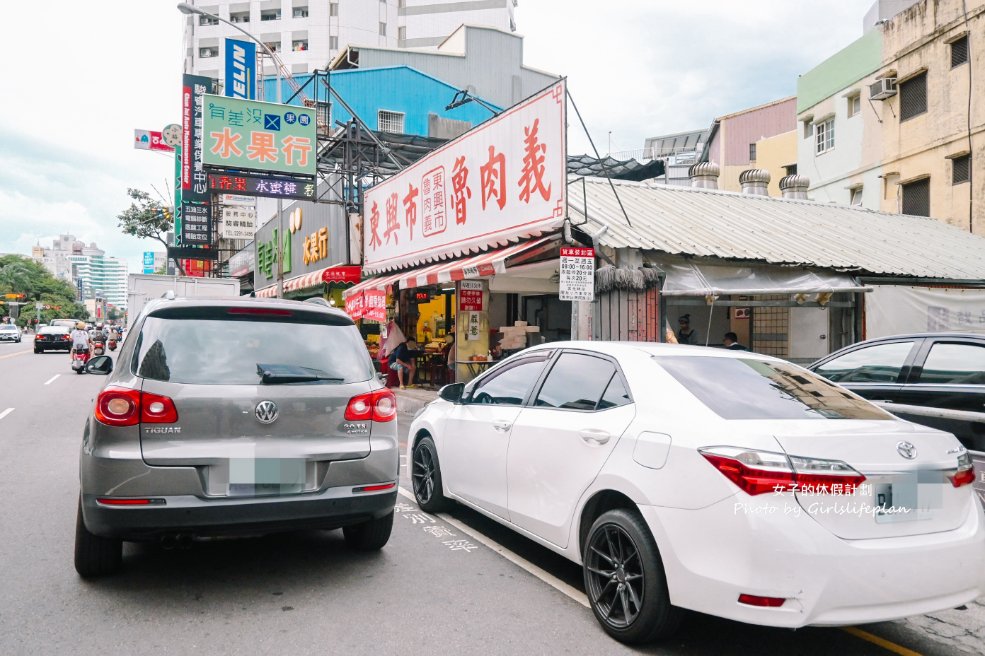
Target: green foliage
[22,275]
[148,219]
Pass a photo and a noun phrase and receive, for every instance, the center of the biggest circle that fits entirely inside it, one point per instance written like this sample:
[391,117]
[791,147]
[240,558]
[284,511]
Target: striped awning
[379,282]
[482,265]
[267,292]
[337,273]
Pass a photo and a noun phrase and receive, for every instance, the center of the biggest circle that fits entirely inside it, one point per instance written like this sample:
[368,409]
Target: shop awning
[380,283]
[482,265]
[338,274]
[267,292]
[691,279]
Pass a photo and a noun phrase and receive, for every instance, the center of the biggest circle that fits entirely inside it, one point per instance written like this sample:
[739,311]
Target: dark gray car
[226,417]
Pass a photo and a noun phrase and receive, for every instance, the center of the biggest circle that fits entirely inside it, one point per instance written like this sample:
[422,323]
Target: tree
[148,219]
[22,275]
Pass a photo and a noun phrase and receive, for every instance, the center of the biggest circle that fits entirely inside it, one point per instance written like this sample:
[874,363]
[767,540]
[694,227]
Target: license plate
[913,498]
[266,476]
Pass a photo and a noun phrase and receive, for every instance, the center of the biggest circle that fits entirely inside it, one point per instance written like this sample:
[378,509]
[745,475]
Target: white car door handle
[502,426]
[596,437]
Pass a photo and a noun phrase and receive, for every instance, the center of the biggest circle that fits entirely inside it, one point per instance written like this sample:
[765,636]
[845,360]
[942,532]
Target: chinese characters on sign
[315,246]
[502,180]
[577,281]
[196,212]
[470,296]
[253,185]
[246,134]
[238,222]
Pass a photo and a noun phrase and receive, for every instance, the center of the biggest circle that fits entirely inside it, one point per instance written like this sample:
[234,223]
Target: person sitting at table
[402,361]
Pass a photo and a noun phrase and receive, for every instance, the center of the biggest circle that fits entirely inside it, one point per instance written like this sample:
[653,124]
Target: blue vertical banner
[241,69]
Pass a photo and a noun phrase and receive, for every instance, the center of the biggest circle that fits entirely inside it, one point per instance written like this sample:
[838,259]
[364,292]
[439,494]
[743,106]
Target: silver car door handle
[502,426]
[597,437]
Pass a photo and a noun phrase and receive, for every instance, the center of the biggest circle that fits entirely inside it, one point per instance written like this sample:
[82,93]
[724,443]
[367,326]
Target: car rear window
[226,352]
[54,330]
[749,388]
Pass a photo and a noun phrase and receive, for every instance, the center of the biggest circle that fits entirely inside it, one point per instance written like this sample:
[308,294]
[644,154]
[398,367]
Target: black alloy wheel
[425,476]
[625,581]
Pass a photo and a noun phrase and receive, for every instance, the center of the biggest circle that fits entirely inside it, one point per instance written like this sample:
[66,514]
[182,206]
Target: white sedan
[724,482]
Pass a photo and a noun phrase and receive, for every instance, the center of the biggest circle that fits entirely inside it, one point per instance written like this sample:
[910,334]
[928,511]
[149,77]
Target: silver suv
[236,416]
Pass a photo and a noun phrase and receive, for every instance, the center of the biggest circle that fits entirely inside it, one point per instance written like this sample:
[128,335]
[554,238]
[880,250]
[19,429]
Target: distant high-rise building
[308,34]
[75,262]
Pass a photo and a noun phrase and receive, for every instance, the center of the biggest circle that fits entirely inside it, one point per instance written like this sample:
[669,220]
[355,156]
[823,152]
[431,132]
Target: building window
[790,169]
[808,129]
[961,169]
[854,105]
[390,122]
[205,53]
[856,197]
[824,136]
[333,9]
[300,12]
[913,97]
[243,17]
[273,46]
[273,14]
[333,43]
[916,198]
[752,152]
[959,51]
[299,45]
[382,29]
[207,20]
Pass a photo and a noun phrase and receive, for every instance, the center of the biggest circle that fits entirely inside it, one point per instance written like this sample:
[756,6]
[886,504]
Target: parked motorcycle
[80,356]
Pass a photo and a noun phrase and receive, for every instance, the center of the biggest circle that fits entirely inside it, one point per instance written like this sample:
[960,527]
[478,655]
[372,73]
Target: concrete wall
[774,154]
[918,40]
[729,147]
[491,65]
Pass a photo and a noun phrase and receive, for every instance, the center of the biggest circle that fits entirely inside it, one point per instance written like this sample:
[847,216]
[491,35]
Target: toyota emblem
[906,450]
[266,412]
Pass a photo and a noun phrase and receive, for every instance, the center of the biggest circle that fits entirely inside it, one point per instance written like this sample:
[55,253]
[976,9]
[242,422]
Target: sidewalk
[409,401]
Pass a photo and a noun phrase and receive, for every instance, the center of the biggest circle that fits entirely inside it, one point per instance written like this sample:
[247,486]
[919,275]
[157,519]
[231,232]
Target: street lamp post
[188,9]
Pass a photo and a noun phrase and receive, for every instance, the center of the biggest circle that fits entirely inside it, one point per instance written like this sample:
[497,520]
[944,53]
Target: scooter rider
[80,338]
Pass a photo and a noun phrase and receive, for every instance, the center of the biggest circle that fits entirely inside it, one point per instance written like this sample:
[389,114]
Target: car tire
[369,536]
[425,477]
[36,351]
[625,580]
[95,556]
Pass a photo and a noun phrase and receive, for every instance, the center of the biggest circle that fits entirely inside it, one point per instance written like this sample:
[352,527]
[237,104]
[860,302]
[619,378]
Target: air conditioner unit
[883,88]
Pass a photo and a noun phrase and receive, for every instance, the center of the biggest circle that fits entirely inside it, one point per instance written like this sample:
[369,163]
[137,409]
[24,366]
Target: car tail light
[965,473]
[121,406]
[272,312]
[118,406]
[762,602]
[156,409]
[380,405]
[759,472]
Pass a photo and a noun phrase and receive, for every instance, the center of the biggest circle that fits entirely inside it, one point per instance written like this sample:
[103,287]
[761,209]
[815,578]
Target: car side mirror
[452,392]
[101,365]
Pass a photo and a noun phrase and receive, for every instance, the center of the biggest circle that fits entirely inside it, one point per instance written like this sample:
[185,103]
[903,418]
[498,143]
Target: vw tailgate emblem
[266,412]
[906,450]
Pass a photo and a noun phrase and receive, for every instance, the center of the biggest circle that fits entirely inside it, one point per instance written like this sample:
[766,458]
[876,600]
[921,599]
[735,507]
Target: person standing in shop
[686,334]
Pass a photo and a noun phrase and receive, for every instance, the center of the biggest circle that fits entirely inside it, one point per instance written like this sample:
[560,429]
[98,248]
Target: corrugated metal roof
[708,223]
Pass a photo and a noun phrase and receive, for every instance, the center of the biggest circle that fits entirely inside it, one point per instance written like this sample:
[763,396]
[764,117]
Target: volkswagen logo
[266,412]
[905,449]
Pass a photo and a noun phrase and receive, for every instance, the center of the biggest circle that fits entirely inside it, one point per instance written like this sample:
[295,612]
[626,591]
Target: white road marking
[6,412]
[549,579]
[52,379]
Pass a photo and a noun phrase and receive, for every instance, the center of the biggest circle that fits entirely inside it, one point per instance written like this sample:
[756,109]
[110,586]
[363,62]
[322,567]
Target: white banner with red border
[503,180]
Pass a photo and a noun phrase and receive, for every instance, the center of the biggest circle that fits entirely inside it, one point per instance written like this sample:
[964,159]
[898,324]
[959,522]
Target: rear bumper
[713,555]
[333,508]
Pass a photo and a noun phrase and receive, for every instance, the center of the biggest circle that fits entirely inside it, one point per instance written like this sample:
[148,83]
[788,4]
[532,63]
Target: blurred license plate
[264,476]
